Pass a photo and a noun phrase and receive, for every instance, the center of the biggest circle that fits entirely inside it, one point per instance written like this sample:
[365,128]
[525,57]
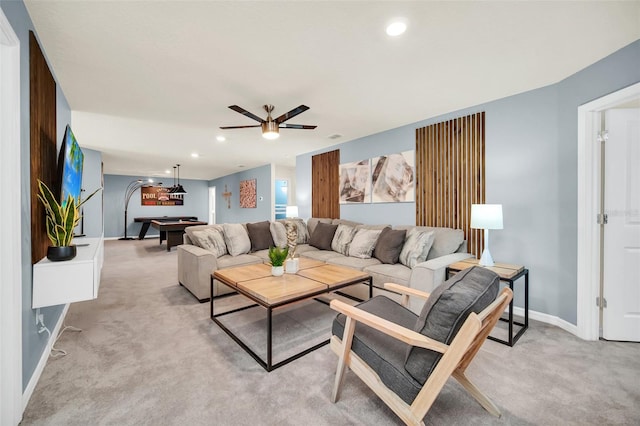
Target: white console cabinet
[75,280]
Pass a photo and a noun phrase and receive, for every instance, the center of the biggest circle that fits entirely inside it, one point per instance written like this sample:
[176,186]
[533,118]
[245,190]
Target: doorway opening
[281,197]
[590,241]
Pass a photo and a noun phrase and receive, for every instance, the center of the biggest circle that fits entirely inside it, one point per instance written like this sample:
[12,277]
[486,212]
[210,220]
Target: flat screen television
[70,162]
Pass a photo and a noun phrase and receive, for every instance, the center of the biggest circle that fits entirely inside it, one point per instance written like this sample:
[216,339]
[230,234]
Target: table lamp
[486,216]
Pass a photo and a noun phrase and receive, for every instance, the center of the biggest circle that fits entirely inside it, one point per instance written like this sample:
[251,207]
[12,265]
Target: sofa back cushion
[445,240]
[322,236]
[389,245]
[314,221]
[237,239]
[260,235]
[446,309]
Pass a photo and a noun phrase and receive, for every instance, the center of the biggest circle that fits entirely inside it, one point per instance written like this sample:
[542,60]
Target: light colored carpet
[149,354]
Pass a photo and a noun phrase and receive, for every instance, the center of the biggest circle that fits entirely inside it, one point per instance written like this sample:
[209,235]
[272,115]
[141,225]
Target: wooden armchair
[406,359]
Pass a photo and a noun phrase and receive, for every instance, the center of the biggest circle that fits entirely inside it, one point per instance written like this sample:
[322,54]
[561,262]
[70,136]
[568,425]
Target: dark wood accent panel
[324,185]
[42,109]
[450,169]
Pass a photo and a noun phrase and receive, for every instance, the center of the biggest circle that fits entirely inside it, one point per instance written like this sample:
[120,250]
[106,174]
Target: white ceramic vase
[277,271]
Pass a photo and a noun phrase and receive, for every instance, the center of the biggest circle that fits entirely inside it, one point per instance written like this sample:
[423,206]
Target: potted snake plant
[61,220]
[277,256]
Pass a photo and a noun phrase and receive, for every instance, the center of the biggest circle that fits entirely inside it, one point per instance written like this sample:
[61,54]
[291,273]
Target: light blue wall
[235,214]
[196,203]
[33,344]
[531,154]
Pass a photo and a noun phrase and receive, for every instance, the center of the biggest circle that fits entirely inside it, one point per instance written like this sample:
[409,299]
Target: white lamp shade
[486,216]
[292,211]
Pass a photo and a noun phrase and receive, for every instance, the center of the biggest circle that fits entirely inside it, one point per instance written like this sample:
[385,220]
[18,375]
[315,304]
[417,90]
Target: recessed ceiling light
[195,155]
[241,166]
[396,27]
[221,138]
[167,171]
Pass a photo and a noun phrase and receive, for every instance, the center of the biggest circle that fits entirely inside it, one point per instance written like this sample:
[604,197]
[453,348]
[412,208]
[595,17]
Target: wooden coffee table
[256,283]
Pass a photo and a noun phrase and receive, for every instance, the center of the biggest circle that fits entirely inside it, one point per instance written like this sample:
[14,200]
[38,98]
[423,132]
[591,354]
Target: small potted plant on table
[277,256]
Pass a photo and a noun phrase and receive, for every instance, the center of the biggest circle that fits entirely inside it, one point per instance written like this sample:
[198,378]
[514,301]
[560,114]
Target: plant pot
[277,271]
[58,254]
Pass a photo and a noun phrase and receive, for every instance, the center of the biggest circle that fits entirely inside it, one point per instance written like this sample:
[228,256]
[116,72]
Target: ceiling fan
[270,126]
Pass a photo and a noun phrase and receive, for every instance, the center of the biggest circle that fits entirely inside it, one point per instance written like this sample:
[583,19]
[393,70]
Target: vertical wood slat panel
[325,189]
[450,170]
[42,128]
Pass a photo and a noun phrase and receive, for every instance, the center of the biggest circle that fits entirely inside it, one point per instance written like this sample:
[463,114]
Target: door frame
[588,270]
[11,244]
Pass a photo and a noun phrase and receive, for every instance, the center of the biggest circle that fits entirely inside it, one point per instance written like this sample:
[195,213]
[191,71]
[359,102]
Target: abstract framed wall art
[355,182]
[393,178]
[248,194]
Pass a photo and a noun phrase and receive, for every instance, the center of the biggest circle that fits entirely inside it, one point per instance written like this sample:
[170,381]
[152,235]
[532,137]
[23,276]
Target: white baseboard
[35,377]
[548,319]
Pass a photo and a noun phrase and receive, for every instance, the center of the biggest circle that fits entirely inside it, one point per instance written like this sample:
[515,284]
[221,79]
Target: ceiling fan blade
[297,126]
[287,115]
[243,111]
[239,127]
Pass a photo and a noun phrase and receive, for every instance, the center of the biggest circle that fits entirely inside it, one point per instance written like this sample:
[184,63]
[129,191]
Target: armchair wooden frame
[456,357]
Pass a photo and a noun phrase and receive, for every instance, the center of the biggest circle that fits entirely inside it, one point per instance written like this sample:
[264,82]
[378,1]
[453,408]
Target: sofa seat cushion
[228,261]
[384,354]
[321,255]
[352,262]
[385,273]
[263,255]
[303,248]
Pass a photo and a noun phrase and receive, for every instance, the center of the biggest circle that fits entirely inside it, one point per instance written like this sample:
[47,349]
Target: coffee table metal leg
[269,337]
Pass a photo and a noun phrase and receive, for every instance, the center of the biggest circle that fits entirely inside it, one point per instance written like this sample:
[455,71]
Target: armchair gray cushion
[445,311]
[384,354]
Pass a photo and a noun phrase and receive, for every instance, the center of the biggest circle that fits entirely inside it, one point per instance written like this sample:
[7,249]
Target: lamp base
[486,259]
[126,238]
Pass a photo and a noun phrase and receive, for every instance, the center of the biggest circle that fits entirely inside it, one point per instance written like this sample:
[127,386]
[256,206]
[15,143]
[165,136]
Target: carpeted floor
[149,355]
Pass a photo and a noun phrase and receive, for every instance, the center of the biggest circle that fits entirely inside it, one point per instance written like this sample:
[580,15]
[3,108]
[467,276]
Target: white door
[212,205]
[621,316]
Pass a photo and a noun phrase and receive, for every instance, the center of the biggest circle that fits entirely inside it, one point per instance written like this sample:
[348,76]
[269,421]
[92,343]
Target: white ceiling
[149,82]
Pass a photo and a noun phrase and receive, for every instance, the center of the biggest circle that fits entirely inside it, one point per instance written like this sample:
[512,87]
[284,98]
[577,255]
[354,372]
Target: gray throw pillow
[363,243]
[323,236]
[279,234]
[236,238]
[416,247]
[260,235]
[389,245]
[446,309]
[211,239]
[342,238]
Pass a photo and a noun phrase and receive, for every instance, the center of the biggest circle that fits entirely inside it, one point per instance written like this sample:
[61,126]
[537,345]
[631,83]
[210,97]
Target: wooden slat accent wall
[325,185]
[450,169]
[42,109]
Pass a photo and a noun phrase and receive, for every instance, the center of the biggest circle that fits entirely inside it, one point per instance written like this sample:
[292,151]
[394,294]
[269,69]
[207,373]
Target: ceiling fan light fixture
[270,130]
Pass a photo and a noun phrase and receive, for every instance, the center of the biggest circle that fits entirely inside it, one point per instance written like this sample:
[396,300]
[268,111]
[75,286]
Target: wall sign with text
[159,196]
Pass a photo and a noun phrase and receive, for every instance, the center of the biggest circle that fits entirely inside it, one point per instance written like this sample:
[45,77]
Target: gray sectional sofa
[420,263]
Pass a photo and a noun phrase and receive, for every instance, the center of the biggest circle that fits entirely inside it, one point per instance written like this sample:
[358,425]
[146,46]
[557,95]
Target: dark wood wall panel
[324,185]
[42,109]
[450,169]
